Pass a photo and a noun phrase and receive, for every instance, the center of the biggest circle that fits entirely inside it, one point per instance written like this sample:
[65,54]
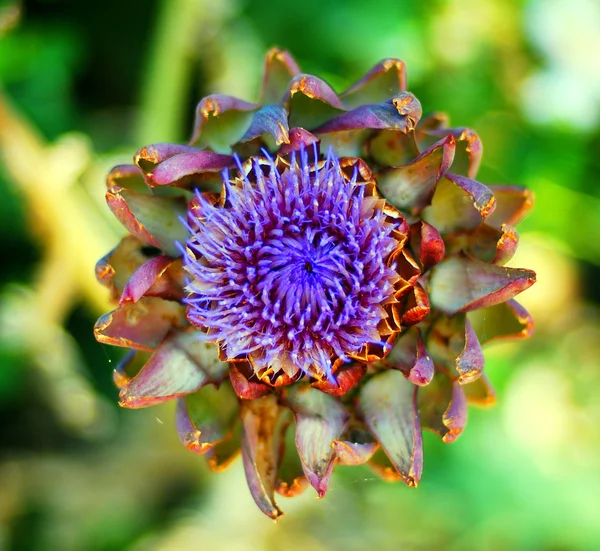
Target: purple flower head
[293,269]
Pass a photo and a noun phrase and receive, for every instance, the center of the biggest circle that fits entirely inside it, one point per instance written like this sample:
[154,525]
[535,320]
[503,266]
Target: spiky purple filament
[291,271]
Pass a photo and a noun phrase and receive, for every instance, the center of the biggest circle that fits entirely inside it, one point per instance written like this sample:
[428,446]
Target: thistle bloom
[312,278]
[292,271]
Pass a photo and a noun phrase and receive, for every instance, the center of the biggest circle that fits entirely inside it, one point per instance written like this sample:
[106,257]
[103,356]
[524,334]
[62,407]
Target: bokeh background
[83,85]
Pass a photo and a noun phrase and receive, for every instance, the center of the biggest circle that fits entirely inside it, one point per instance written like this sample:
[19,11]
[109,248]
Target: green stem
[168,72]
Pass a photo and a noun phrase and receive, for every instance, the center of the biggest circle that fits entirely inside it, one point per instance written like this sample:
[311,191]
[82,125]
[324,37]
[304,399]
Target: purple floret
[291,271]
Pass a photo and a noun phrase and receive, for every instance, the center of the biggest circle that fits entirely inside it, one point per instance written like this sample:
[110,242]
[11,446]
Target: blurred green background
[84,85]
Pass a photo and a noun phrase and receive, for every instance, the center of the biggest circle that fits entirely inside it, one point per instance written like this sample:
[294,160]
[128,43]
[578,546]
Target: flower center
[291,270]
[311,281]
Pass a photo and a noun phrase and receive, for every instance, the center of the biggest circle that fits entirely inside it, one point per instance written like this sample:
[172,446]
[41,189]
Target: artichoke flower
[312,278]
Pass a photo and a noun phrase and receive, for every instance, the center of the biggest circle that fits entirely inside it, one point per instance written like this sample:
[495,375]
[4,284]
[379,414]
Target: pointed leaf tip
[507,320]
[260,450]
[491,244]
[482,196]
[179,366]
[387,403]
[298,139]
[152,219]
[512,204]
[320,419]
[126,176]
[455,417]
[384,80]
[188,168]
[443,407]
[280,68]
[400,114]
[206,417]
[270,120]
[422,370]
[459,284]
[116,268]
[221,120]
[471,361]
[314,88]
[459,204]
[469,149]
[432,248]
[411,186]
[410,356]
[160,276]
[291,480]
[140,325]
[149,156]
